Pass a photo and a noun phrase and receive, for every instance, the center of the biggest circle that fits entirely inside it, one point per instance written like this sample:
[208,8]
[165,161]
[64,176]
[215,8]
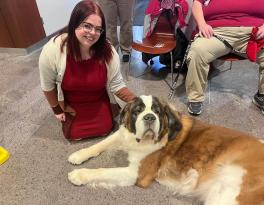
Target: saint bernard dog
[212,164]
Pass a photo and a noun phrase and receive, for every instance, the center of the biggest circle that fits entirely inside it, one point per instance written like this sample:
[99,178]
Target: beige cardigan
[52,65]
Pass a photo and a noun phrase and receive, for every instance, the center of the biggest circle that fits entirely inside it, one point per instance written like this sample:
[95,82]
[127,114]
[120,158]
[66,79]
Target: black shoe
[258,100]
[125,58]
[195,108]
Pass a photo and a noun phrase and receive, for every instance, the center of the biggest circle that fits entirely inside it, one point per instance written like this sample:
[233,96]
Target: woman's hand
[260,32]
[205,30]
[61,117]
[125,94]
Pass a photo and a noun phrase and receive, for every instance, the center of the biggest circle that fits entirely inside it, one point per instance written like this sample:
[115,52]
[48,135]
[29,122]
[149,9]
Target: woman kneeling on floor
[80,75]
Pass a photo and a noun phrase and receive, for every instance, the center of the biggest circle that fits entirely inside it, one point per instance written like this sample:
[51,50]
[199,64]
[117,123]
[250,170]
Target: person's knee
[260,59]
[261,64]
[197,52]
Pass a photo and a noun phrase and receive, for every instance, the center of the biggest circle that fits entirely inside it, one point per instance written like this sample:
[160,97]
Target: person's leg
[260,61]
[126,15]
[241,45]
[202,52]
[110,10]
[259,96]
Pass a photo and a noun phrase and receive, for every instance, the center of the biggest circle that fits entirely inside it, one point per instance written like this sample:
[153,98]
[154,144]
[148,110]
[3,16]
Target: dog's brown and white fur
[214,164]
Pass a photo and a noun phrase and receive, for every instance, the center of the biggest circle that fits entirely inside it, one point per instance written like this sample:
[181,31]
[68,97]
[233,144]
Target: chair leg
[171,55]
[231,64]
[129,64]
[172,74]
[147,70]
[173,81]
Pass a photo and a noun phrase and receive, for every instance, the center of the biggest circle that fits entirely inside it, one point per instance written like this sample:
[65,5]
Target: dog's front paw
[76,158]
[78,177]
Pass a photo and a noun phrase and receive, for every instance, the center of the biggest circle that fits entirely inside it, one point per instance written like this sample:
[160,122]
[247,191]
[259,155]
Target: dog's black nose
[149,118]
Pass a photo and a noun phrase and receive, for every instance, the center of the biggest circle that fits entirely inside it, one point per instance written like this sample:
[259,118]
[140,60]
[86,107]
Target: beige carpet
[37,171]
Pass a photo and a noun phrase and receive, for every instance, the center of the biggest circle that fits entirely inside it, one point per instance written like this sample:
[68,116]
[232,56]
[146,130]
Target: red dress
[84,88]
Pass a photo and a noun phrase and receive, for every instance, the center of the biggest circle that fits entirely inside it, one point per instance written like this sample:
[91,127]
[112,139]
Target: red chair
[161,41]
[231,57]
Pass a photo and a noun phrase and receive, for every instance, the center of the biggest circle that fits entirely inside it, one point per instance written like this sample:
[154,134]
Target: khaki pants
[122,9]
[203,51]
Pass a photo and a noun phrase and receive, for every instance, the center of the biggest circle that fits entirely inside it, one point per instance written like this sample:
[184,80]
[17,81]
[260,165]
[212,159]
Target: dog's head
[147,117]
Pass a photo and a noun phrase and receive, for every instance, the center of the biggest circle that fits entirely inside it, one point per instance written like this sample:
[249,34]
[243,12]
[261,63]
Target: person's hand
[61,117]
[206,30]
[260,32]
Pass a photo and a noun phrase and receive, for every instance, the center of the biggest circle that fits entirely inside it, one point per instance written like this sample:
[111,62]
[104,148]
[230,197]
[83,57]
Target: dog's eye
[156,109]
[138,109]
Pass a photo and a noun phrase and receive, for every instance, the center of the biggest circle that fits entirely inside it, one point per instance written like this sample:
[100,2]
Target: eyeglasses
[87,27]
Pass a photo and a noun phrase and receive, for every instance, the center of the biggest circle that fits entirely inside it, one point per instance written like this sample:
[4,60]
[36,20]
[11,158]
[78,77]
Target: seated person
[234,22]
[80,75]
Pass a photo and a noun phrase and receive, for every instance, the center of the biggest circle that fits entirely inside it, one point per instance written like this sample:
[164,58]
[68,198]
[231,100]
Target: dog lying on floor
[214,164]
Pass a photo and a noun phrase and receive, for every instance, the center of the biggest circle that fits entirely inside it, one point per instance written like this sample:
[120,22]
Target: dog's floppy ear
[124,114]
[174,123]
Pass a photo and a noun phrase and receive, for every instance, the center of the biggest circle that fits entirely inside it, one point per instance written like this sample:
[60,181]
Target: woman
[80,74]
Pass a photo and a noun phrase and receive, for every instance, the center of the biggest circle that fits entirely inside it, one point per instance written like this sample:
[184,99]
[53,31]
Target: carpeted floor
[36,173]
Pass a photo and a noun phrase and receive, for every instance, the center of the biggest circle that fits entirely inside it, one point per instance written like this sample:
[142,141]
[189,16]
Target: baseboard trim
[32,48]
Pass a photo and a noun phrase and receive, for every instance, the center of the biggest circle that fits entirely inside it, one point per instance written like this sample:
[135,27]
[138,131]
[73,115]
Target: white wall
[55,13]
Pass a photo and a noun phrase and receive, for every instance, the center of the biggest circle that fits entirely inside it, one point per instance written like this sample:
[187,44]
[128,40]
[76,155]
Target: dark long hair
[102,48]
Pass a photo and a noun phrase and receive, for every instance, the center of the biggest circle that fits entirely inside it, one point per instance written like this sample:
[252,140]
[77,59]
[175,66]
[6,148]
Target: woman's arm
[125,94]
[205,30]
[48,73]
[48,81]
[117,85]
[52,99]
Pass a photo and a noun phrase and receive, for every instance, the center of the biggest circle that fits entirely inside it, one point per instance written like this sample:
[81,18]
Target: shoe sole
[192,113]
[256,103]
